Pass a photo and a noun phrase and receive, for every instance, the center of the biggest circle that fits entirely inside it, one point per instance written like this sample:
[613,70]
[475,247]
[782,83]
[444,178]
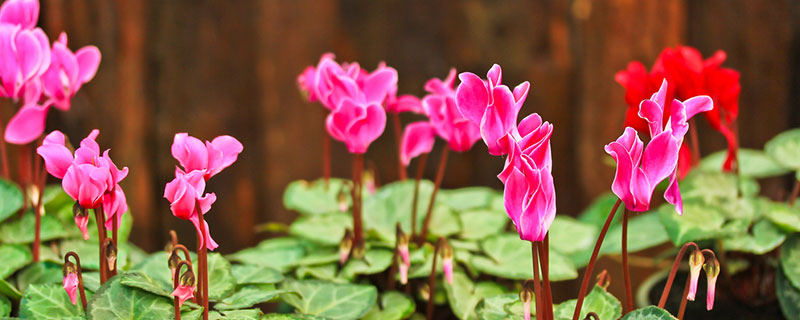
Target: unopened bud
[345,246]
[111,255]
[696,261]
[712,271]
[81,217]
[69,268]
[526,296]
[369,181]
[341,199]
[33,194]
[173,261]
[447,259]
[402,246]
[425,291]
[359,250]
[187,279]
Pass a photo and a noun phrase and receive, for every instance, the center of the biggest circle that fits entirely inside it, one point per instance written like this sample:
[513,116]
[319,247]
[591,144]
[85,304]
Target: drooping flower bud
[341,198]
[526,296]
[403,271]
[173,261]
[369,181]
[111,255]
[359,250]
[81,219]
[70,281]
[402,245]
[425,291]
[33,195]
[345,246]
[696,261]
[712,271]
[185,289]
[447,260]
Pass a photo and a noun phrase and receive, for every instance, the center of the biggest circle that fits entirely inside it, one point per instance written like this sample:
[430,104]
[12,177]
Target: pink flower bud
[403,272]
[712,271]
[696,261]
[70,281]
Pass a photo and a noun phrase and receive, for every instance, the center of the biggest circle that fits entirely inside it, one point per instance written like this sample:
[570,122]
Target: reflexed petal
[472,97]
[418,138]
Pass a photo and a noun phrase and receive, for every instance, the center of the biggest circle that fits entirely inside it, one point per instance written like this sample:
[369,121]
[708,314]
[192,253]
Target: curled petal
[57,158]
[82,221]
[27,124]
[70,283]
[88,61]
[472,97]
[418,138]
[183,293]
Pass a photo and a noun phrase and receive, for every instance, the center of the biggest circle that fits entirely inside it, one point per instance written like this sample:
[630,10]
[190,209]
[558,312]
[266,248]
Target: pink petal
[27,125]
[57,157]
[83,223]
[624,175]
[499,119]
[521,93]
[379,83]
[653,113]
[230,147]
[209,242]
[698,104]
[673,193]
[712,283]
[71,286]
[660,158]
[183,293]
[418,138]
[447,266]
[516,186]
[24,13]
[472,97]
[364,132]
[88,61]
[29,53]
[495,75]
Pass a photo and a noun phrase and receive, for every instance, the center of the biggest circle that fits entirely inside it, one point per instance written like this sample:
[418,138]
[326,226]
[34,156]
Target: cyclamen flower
[639,168]
[418,139]
[210,157]
[185,289]
[445,117]
[491,105]
[26,55]
[90,178]
[187,196]
[70,283]
[688,76]
[23,13]
[335,83]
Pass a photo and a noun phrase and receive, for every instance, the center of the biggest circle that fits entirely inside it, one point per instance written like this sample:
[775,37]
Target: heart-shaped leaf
[496,307]
[510,258]
[479,224]
[393,306]
[752,163]
[790,259]
[278,253]
[467,198]
[698,222]
[648,313]
[784,216]
[785,148]
[315,197]
[325,229]
[464,295]
[374,261]
[330,300]
[21,230]
[764,238]
[38,273]
[10,199]
[788,295]
[568,235]
[252,274]
[49,301]
[116,301]
[599,301]
[248,296]
[15,256]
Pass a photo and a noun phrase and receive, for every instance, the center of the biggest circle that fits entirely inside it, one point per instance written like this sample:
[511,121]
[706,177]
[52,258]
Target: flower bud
[369,181]
[341,199]
[81,219]
[185,289]
[33,194]
[425,291]
[111,255]
[712,271]
[359,250]
[70,281]
[173,261]
[403,271]
[447,260]
[696,261]
[345,246]
[402,246]
[526,296]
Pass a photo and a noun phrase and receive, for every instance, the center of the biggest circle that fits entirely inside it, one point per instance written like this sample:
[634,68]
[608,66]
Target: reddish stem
[326,157]
[358,228]
[795,192]
[588,273]
[695,142]
[684,300]
[544,248]
[101,234]
[432,280]
[41,177]
[3,152]
[537,290]
[114,228]
[671,278]
[420,170]
[398,137]
[203,259]
[174,237]
[80,275]
[626,273]
[176,283]
[198,290]
[439,175]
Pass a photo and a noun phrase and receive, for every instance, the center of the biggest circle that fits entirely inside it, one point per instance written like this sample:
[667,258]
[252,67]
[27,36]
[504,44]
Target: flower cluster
[35,73]
[200,161]
[529,195]
[688,75]
[89,177]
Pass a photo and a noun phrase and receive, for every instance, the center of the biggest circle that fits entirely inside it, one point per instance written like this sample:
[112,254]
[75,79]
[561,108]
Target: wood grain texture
[229,67]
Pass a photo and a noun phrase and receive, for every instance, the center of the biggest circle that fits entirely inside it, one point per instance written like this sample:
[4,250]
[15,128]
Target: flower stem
[326,157]
[398,137]
[544,252]
[358,228]
[80,275]
[37,210]
[684,300]
[671,278]
[198,291]
[420,170]
[439,175]
[695,142]
[626,273]
[174,237]
[795,192]
[537,290]
[3,152]
[588,273]
[176,283]
[101,235]
[432,280]
[203,259]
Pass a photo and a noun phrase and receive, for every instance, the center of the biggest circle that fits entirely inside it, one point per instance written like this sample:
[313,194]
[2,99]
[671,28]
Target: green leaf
[22,230]
[246,314]
[116,301]
[392,204]
[764,238]
[38,273]
[464,295]
[89,253]
[14,257]
[91,281]
[790,259]
[319,256]
[712,187]
[479,224]
[784,216]
[326,229]
[289,316]
[49,301]
[155,267]
[599,301]
[5,306]
[785,148]
[277,253]
[142,281]
[315,197]
[510,258]
[249,295]
[644,231]
[393,306]
[8,290]
[322,272]
[10,199]
[698,222]
[330,300]
[494,307]
[374,261]
[220,279]
[467,198]
[597,213]
[648,313]
[568,235]
[752,163]
[54,199]
[252,274]
[788,295]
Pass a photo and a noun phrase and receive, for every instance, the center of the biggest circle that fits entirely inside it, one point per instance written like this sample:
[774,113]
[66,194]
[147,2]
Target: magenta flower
[209,157]
[68,71]
[357,124]
[418,139]
[185,289]
[491,105]
[25,54]
[529,197]
[532,139]
[403,103]
[447,266]
[23,13]
[639,168]
[335,83]
[70,282]
[448,122]
[307,81]
[187,196]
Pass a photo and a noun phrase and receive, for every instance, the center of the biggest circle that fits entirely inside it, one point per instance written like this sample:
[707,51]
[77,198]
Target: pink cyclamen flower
[25,54]
[418,139]
[307,81]
[532,139]
[357,124]
[23,13]
[447,266]
[210,157]
[448,123]
[530,198]
[403,103]
[187,197]
[491,105]
[639,168]
[68,71]
[70,282]
[185,289]
[337,82]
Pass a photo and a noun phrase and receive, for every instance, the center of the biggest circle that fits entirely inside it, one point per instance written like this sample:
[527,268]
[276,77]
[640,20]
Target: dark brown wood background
[229,67]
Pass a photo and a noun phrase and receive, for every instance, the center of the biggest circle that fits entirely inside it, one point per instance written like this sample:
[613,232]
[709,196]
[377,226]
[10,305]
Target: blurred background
[229,67]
